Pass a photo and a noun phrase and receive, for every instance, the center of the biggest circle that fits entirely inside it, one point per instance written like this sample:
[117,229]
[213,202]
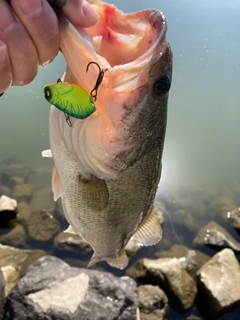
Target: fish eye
[162,86]
[48,93]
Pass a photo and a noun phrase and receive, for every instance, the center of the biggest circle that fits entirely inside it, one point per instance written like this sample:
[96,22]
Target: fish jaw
[104,137]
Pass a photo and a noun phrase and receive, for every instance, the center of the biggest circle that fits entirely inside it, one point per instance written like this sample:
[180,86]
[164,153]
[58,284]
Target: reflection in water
[201,171]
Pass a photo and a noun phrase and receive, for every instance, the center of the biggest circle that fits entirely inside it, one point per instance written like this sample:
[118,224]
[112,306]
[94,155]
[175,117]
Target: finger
[80,13]
[21,50]
[41,23]
[5,68]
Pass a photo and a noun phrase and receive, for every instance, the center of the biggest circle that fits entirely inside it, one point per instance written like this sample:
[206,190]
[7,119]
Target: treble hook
[93,93]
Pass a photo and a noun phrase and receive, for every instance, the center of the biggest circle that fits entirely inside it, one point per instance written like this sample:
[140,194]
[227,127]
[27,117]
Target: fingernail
[30,7]
[90,13]
[3,53]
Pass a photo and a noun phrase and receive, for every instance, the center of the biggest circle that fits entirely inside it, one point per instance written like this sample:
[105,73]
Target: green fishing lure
[70,98]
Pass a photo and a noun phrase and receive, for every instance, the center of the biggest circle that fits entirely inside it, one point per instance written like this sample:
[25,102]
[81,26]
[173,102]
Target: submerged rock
[170,275]
[18,258]
[23,192]
[42,226]
[201,239]
[216,238]
[24,212]
[43,200]
[15,236]
[234,217]
[20,170]
[51,289]
[152,303]
[8,209]
[71,242]
[219,282]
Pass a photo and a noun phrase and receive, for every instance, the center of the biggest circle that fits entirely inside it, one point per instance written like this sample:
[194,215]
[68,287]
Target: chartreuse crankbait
[72,99]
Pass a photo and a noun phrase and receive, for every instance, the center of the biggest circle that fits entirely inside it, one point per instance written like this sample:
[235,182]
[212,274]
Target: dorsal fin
[149,232]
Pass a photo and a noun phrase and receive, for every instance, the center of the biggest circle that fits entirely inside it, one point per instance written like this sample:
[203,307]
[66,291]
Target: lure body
[70,98]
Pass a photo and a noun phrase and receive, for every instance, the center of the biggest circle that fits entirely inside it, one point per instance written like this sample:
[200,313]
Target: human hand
[29,36]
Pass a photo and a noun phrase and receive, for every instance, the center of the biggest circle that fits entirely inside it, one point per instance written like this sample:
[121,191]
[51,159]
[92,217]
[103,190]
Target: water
[202,147]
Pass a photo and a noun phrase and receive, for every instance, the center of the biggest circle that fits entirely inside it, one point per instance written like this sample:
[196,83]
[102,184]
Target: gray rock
[219,281]
[18,258]
[152,303]
[170,275]
[192,260]
[234,217]
[43,200]
[11,277]
[51,289]
[42,226]
[2,293]
[22,192]
[14,181]
[15,235]
[200,239]
[216,238]
[71,242]
[8,209]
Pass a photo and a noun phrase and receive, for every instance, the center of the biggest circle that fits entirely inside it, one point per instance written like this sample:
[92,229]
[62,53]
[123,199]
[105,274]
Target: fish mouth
[128,45]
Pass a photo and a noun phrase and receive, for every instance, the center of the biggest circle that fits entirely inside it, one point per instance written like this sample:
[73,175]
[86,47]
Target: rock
[22,192]
[152,303]
[216,238]
[42,226]
[132,248]
[24,212]
[51,289]
[8,209]
[234,217]
[43,200]
[71,242]
[200,238]
[219,279]
[2,293]
[11,277]
[191,260]
[170,276]
[18,258]
[185,220]
[15,236]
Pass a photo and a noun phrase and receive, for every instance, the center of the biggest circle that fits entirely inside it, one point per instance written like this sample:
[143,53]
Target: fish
[107,167]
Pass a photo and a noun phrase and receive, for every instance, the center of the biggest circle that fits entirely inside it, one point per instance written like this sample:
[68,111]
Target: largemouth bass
[107,167]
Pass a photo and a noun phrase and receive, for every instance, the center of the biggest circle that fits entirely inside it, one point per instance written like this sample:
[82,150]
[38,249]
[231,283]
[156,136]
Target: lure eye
[47,93]
[162,86]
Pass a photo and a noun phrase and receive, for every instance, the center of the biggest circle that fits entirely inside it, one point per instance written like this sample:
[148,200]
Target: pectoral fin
[95,258]
[94,193]
[56,185]
[149,232]
[47,153]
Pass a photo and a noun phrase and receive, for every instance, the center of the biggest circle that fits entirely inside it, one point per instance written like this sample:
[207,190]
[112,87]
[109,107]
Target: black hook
[93,93]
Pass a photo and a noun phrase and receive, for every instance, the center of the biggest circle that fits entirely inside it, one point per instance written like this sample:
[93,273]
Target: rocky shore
[43,270]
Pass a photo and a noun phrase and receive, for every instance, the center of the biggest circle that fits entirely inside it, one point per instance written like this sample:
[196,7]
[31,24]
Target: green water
[202,147]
